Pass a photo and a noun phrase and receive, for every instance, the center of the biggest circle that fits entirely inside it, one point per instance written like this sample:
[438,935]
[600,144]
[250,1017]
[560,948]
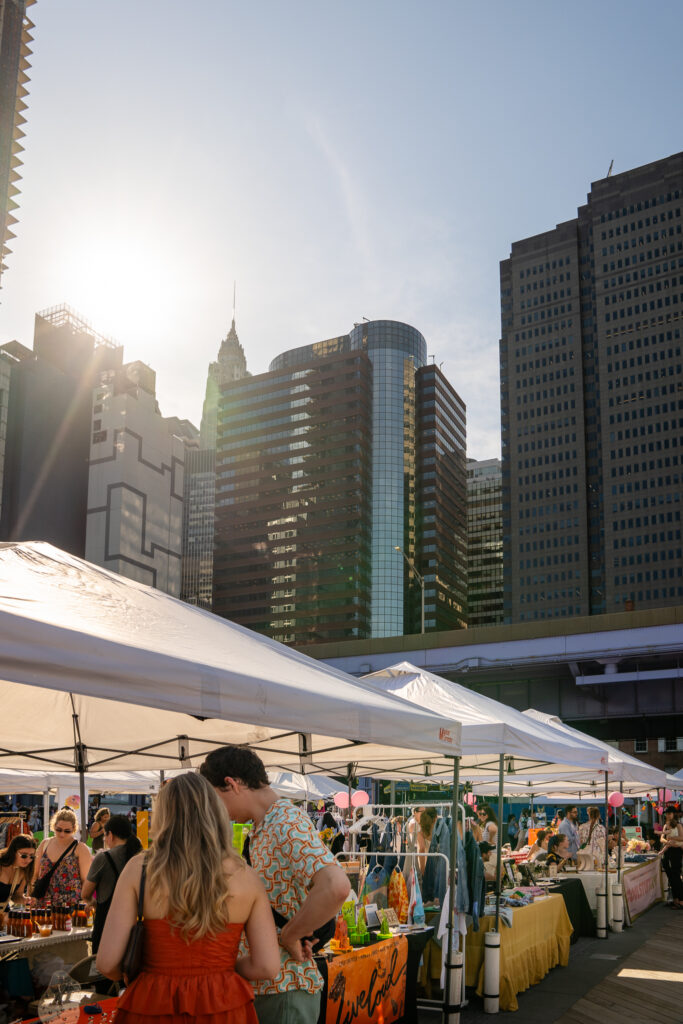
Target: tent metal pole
[499,834]
[605,928]
[452,994]
[46,813]
[621,809]
[80,764]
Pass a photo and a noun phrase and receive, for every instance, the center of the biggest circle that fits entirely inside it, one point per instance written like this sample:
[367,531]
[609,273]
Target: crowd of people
[230,938]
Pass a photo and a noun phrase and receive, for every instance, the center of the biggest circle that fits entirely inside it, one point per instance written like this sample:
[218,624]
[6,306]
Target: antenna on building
[611,165]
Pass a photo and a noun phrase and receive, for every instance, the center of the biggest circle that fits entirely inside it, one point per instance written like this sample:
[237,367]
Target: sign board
[633,831]
[368,985]
[642,887]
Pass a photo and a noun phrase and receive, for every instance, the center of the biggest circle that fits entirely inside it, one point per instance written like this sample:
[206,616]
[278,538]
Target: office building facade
[200,477]
[592,406]
[135,482]
[15,39]
[484,543]
[319,482]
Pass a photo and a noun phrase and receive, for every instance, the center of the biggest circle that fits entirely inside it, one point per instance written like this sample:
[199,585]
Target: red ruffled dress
[183,982]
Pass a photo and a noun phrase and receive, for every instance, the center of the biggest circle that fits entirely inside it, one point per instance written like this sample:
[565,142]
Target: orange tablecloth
[538,941]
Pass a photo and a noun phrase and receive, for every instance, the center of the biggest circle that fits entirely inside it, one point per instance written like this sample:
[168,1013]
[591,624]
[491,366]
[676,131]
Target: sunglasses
[27,856]
[67,831]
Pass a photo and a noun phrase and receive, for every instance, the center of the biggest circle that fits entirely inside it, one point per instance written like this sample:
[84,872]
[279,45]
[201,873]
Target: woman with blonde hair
[64,859]
[199,897]
[592,835]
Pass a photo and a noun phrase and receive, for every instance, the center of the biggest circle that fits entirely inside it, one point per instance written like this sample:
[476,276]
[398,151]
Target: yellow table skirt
[538,941]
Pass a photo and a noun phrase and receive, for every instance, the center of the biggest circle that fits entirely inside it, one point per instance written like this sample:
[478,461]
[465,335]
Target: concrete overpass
[619,677]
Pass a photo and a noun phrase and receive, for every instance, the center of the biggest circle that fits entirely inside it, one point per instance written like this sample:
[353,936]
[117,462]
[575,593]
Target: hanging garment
[416,913]
[397,895]
[475,879]
[435,878]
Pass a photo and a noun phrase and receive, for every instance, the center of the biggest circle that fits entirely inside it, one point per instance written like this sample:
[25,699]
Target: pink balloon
[616,799]
[668,795]
[359,798]
[470,798]
[660,808]
[341,800]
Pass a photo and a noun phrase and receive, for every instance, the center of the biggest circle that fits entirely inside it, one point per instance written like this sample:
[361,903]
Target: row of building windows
[539,332]
[659,593]
[639,540]
[645,257]
[545,378]
[643,467]
[546,442]
[665,745]
[644,307]
[642,290]
[549,613]
[656,236]
[644,204]
[554,492]
[639,225]
[649,557]
[550,314]
[657,499]
[548,560]
[648,394]
[658,427]
[643,342]
[540,268]
[540,300]
[648,576]
[545,394]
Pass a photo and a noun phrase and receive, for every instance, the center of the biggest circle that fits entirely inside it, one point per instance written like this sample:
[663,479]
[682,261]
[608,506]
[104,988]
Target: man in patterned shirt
[303,881]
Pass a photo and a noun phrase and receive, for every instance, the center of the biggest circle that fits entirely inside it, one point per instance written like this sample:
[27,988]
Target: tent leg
[452,993]
[46,813]
[606,903]
[492,972]
[499,836]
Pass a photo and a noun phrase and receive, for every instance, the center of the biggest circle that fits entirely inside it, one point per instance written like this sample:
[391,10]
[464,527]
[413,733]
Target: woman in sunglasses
[16,869]
[65,858]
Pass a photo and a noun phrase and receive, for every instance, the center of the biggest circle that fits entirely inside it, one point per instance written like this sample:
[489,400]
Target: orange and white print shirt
[286,852]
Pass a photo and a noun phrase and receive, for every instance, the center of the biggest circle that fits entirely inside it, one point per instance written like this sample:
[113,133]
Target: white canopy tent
[306,787]
[489,729]
[621,766]
[129,677]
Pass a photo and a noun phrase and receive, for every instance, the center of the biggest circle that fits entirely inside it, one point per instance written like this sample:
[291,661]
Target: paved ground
[590,962]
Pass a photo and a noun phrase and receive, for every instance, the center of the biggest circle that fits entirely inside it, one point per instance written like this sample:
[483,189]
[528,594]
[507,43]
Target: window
[669,744]
[640,747]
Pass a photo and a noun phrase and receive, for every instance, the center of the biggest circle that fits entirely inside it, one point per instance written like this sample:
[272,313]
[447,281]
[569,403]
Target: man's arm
[329,889]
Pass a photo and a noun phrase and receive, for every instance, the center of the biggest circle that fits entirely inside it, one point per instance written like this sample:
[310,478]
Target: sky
[373,158]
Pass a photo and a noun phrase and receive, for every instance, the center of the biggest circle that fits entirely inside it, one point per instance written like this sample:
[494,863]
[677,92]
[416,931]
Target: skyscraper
[326,465]
[15,36]
[90,464]
[591,400]
[484,543]
[135,481]
[200,477]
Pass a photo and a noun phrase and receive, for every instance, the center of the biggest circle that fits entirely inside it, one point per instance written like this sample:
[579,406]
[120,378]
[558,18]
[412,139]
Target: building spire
[234,293]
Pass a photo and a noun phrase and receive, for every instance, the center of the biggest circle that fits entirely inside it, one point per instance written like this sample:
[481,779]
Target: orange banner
[368,986]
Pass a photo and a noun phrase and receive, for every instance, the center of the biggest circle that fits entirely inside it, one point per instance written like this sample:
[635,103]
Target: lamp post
[420,580]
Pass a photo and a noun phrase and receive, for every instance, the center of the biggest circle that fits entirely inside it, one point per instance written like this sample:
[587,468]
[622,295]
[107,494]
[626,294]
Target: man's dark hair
[555,841]
[235,763]
[541,834]
[570,807]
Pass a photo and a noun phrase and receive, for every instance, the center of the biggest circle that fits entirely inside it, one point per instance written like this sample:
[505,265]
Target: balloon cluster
[358,799]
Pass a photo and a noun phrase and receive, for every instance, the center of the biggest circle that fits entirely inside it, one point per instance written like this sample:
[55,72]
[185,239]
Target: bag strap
[65,854]
[141,896]
[12,889]
[113,863]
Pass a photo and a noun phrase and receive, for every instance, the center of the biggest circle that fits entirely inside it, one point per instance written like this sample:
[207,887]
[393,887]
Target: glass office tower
[317,487]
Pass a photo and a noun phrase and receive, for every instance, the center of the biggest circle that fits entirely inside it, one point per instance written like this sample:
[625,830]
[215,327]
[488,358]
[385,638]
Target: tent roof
[489,728]
[116,782]
[156,683]
[622,767]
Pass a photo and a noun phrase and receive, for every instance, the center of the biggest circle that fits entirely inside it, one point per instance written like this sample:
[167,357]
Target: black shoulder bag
[132,958]
[41,885]
[320,936]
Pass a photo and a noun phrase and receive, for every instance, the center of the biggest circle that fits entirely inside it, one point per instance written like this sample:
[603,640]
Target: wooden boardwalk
[646,986]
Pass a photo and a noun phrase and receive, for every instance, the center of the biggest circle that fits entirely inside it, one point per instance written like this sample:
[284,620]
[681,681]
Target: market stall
[537,941]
